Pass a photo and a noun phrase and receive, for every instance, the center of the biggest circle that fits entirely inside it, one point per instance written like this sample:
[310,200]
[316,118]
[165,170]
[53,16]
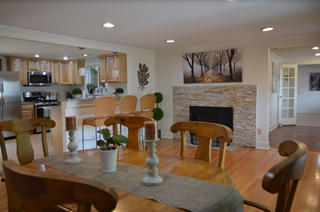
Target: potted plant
[158,112]
[108,149]
[77,93]
[90,87]
[118,92]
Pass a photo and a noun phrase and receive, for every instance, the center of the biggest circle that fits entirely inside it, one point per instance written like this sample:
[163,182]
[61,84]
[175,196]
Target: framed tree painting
[213,66]
[275,77]
[314,84]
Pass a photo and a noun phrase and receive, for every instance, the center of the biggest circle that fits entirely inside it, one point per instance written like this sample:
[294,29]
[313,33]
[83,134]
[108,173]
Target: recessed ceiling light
[170,41]
[315,48]
[85,55]
[108,25]
[267,29]
[37,55]
[65,58]
[317,54]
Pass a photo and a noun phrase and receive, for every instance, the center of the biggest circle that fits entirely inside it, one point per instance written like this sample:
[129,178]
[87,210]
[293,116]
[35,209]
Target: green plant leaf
[101,143]
[105,133]
[121,139]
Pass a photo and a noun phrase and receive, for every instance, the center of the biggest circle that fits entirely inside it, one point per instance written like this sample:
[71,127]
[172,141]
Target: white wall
[273,103]
[308,101]
[256,70]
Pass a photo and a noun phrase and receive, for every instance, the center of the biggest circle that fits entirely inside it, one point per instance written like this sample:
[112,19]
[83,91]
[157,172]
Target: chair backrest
[127,104]
[134,123]
[104,106]
[147,102]
[38,190]
[283,178]
[22,128]
[205,131]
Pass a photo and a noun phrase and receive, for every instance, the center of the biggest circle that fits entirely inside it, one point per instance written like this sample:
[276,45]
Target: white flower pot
[108,160]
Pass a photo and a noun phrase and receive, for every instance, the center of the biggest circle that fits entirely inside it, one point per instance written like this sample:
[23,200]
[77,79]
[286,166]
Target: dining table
[168,164]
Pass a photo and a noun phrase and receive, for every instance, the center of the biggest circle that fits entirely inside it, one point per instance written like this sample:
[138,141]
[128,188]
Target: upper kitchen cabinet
[55,67]
[77,79]
[18,64]
[109,63]
[39,65]
[66,70]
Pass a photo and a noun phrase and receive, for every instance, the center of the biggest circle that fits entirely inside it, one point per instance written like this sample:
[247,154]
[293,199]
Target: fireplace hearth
[219,115]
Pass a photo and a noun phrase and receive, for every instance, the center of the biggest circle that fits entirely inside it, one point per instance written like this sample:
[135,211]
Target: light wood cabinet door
[33,65]
[110,62]
[66,73]
[55,67]
[103,70]
[45,65]
[27,111]
[18,64]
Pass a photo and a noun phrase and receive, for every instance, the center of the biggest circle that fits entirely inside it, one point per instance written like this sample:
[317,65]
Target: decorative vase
[108,159]
[77,96]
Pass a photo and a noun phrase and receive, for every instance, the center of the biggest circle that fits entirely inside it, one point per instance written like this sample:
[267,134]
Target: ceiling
[148,23]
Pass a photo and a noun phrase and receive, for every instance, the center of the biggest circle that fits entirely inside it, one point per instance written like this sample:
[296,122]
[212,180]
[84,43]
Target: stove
[42,102]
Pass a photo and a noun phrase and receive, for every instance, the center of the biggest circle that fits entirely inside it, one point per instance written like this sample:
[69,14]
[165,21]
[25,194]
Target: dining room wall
[256,68]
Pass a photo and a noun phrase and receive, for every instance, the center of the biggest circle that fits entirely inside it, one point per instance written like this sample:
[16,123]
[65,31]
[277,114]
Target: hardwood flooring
[307,130]
[247,167]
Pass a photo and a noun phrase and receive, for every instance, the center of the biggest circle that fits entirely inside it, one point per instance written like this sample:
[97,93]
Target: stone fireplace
[242,98]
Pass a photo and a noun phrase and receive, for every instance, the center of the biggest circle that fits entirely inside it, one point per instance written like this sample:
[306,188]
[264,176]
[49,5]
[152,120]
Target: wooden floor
[307,130]
[247,167]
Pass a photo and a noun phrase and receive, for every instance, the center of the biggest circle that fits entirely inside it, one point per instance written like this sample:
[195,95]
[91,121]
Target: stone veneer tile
[243,99]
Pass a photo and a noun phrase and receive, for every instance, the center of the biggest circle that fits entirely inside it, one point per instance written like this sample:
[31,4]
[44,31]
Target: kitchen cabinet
[55,67]
[66,69]
[18,64]
[110,62]
[77,79]
[27,110]
[39,65]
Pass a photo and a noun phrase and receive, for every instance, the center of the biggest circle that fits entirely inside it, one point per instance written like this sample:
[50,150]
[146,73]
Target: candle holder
[72,146]
[152,161]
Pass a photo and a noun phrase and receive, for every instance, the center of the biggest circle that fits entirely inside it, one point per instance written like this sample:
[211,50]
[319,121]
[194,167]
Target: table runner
[177,191]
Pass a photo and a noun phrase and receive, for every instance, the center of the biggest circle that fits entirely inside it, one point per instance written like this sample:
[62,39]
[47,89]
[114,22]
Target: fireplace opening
[218,115]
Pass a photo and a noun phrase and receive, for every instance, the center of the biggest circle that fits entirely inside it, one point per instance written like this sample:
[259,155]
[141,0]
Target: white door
[288,95]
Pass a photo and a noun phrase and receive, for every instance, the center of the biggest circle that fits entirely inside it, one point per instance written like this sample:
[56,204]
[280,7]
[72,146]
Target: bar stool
[127,105]
[147,103]
[103,107]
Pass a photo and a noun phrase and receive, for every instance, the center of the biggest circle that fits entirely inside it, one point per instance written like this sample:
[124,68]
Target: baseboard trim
[262,145]
[273,126]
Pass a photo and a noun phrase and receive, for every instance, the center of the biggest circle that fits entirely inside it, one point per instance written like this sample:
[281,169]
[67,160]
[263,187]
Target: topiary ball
[159,97]
[157,114]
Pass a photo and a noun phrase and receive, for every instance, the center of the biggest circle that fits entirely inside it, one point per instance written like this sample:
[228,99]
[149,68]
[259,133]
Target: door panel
[288,94]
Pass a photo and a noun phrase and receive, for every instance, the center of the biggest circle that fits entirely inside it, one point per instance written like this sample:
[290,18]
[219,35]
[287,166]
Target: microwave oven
[37,78]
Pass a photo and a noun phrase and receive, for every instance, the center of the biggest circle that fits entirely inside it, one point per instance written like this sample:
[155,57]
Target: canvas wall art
[314,84]
[275,77]
[213,66]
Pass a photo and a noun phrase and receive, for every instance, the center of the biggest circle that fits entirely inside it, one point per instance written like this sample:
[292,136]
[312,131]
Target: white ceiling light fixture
[85,55]
[82,70]
[267,29]
[317,54]
[108,25]
[65,58]
[37,55]
[170,41]
[315,48]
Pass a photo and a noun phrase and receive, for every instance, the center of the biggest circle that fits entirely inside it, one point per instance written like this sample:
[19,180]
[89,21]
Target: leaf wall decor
[143,76]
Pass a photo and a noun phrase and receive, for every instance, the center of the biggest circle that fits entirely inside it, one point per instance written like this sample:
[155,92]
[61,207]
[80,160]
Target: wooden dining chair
[205,131]
[103,107]
[41,191]
[127,104]
[22,128]
[283,178]
[134,123]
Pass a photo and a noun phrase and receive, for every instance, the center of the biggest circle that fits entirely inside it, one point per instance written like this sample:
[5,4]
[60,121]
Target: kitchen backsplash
[62,89]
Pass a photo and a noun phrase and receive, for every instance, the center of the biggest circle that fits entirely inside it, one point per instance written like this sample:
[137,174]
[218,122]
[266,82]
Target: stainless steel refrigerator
[10,98]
